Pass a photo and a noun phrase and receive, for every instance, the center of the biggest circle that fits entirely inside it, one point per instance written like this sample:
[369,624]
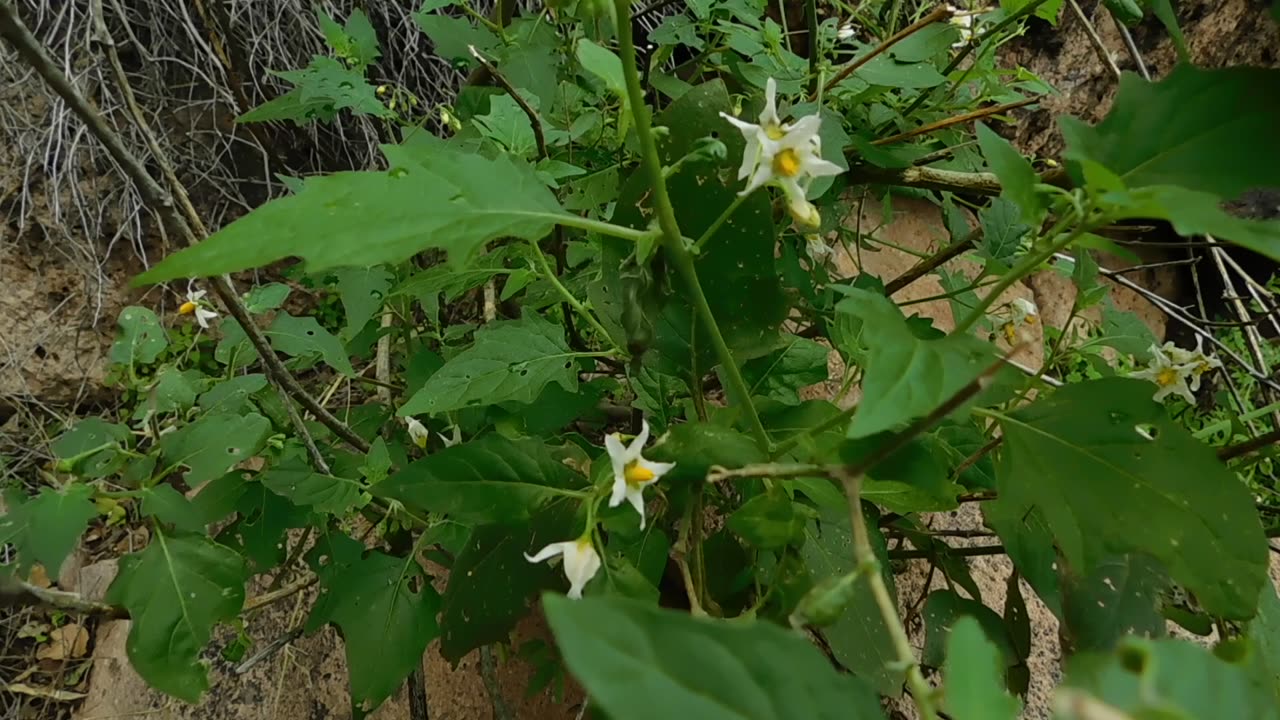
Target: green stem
[672,239]
[603,228]
[1226,424]
[578,307]
[1025,267]
[811,17]
[715,226]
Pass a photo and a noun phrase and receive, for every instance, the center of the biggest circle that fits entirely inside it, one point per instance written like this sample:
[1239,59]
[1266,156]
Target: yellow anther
[786,163]
[187,308]
[1166,377]
[636,474]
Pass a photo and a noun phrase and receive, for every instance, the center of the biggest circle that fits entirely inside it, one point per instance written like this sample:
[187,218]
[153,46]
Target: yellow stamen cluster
[635,474]
[187,308]
[786,163]
[1167,377]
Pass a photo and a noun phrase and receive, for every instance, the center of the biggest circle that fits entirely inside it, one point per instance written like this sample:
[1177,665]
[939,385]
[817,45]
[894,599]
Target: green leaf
[906,377]
[452,35]
[695,447]
[82,443]
[1125,331]
[302,336]
[266,297]
[232,396]
[46,528]
[1161,679]
[169,506]
[176,591]
[926,43]
[602,63]
[294,479]
[489,480]
[683,667]
[490,583]
[1002,231]
[769,521]
[362,291]
[1028,540]
[1119,598]
[362,41]
[1264,634]
[434,196]
[386,609]
[943,609]
[1196,129]
[264,518]
[1017,178]
[1194,213]
[142,338]
[173,391]
[510,361]
[1163,9]
[884,70]
[509,126]
[214,444]
[860,640]
[377,464]
[780,374]
[913,479]
[973,679]
[1104,489]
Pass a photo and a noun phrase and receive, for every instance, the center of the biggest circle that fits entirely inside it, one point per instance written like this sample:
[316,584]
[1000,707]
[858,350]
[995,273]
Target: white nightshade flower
[581,561]
[631,472]
[1022,312]
[418,432]
[793,163]
[1170,377]
[845,32]
[769,128]
[1200,362]
[454,440]
[195,305]
[966,21]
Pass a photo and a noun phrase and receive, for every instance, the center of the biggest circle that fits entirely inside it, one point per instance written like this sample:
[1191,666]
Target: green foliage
[973,678]
[666,658]
[46,528]
[141,339]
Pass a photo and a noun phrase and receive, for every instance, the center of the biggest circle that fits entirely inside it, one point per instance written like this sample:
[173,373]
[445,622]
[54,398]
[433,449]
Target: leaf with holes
[435,195]
[386,609]
[1104,488]
[302,336]
[214,444]
[176,591]
[362,291]
[510,361]
[141,339]
[46,528]
[490,480]
[668,659]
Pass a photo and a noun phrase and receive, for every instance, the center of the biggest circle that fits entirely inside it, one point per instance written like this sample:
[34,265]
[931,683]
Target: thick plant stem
[865,556]
[672,239]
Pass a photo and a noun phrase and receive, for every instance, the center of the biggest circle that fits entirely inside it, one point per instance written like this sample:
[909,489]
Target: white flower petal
[203,316]
[814,166]
[637,445]
[617,454]
[635,496]
[769,116]
[619,491]
[580,565]
[550,551]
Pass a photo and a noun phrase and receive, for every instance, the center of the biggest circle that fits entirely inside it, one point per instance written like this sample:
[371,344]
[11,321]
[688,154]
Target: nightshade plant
[587,322]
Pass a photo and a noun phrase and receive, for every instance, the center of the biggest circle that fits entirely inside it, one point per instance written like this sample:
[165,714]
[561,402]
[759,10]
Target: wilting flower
[1170,377]
[817,248]
[1200,362]
[454,439]
[785,155]
[581,561]
[196,305]
[418,432]
[845,32]
[631,472]
[1021,312]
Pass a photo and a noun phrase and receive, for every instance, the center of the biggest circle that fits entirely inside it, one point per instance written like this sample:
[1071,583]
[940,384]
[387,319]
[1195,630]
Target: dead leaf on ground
[43,692]
[39,577]
[67,642]
[33,630]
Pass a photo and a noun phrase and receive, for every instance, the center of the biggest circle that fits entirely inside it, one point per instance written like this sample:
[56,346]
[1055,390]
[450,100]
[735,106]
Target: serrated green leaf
[259,532]
[511,361]
[1196,129]
[267,297]
[1017,178]
[1002,230]
[860,640]
[294,479]
[377,463]
[362,291]
[1119,598]
[302,336]
[943,609]
[489,480]
[452,35]
[509,126]
[906,377]
[1166,679]
[780,374]
[666,657]
[490,583]
[362,41]
[973,683]
[141,339]
[169,506]
[88,435]
[434,195]
[1103,488]
[46,528]
[176,591]
[386,609]
[214,444]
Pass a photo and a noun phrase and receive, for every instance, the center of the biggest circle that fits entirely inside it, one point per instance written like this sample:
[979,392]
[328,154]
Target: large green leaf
[780,374]
[510,361]
[1196,213]
[1119,598]
[46,528]
[1017,178]
[943,609]
[695,447]
[296,480]
[906,377]
[176,591]
[434,196]
[1080,460]
[362,291]
[386,608]
[974,676]
[913,479]
[1197,129]
[860,640]
[214,444]
[641,662]
[1160,679]
[490,480]
[93,447]
[490,583]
